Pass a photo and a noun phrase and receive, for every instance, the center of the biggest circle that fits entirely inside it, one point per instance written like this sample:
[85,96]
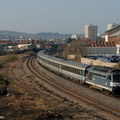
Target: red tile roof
[100,44]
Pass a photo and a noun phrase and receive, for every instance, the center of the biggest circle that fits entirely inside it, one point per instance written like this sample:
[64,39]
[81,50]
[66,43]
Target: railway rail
[73,95]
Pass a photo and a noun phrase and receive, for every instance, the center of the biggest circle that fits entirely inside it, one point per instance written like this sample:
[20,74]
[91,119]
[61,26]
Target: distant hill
[14,35]
[49,35]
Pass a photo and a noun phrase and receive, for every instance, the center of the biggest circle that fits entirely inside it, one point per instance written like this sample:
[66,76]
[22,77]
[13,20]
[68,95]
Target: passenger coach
[73,70]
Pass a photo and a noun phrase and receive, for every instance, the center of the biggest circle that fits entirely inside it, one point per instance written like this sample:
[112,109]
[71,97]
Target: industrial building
[100,48]
[113,35]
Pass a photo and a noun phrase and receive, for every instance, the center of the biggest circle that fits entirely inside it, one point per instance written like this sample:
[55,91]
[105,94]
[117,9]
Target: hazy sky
[63,16]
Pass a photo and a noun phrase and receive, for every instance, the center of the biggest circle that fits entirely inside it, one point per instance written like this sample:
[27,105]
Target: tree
[76,47]
[1,77]
[69,40]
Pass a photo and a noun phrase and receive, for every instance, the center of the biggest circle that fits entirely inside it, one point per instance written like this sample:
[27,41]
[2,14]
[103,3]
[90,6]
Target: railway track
[20,74]
[112,110]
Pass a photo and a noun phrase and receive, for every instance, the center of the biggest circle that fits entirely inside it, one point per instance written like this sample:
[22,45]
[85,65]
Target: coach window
[75,71]
[71,69]
[62,67]
[66,68]
[58,65]
[82,72]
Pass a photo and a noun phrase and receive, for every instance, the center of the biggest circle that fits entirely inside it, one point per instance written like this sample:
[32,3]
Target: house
[24,44]
[8,45]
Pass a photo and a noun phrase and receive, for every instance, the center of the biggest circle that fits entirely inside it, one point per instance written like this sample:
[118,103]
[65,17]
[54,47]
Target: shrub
[1,77]
[1,65]
[4,82]
[29,53]
[11,57]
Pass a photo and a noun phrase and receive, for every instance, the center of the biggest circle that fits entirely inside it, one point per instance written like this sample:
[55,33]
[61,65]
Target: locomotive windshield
[116,77]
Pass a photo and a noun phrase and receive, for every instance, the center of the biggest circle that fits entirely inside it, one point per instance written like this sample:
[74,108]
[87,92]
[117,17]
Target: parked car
[92,57]
[115,59]
[103,58]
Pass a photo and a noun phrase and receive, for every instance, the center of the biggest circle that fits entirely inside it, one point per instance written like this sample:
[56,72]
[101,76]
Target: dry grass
[26,103]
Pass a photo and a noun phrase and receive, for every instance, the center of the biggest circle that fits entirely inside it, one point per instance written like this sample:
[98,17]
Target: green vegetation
[1,76]
[30,53]
[2,52]
[1,65]
[10,58]
[68,40]
[2,80]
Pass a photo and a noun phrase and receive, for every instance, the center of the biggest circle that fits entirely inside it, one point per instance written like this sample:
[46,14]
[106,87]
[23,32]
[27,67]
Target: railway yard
[38,94]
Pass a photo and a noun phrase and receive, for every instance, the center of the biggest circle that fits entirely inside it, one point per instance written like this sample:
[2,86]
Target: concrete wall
[92,61]
[101,50]
[98,62]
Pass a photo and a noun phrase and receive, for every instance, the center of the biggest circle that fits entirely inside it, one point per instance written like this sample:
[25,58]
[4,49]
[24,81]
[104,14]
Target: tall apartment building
[91,32]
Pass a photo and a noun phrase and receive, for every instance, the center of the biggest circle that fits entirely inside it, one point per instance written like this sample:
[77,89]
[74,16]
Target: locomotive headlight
[111,83]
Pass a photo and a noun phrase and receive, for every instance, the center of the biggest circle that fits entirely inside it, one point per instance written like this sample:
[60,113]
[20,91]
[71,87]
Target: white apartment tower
[91,32]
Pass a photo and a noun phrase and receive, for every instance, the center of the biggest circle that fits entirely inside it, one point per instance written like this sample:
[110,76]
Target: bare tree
[76,47]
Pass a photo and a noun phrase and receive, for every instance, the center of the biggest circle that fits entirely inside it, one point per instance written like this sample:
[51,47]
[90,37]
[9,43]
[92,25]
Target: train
[97,77]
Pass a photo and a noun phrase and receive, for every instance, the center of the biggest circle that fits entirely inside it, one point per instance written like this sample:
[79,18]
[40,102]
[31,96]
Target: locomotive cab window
[116,77]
